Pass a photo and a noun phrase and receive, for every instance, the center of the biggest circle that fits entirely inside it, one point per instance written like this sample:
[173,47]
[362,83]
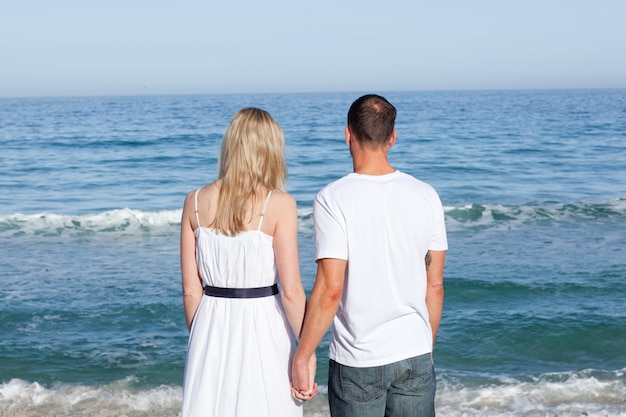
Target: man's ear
[348,136]
[392,139]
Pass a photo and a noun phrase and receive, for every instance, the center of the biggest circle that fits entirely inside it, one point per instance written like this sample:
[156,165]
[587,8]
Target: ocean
[534,189]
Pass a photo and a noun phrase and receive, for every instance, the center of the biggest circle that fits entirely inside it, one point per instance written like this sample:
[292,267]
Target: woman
[238,240]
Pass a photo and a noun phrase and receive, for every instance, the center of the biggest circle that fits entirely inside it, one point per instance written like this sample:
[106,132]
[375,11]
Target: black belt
[241,292]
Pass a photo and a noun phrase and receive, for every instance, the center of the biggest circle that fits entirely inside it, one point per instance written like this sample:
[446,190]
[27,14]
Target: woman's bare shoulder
[282,199]
[205,195]
[206,192]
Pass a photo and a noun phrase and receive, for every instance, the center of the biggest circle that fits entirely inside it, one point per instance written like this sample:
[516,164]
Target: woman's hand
[308,394]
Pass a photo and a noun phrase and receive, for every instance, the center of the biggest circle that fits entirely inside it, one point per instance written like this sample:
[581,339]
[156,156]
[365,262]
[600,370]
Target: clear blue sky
[111,47]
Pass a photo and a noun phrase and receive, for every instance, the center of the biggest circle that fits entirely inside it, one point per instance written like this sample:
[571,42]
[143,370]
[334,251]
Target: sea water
[534,189]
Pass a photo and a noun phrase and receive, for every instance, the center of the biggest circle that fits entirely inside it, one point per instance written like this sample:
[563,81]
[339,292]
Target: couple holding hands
[380,244]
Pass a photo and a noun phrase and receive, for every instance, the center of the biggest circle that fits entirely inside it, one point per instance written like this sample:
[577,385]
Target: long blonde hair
[252,162]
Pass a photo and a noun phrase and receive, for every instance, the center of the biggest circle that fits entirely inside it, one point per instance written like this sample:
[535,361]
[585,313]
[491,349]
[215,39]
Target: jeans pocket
[422,375]
[361,384]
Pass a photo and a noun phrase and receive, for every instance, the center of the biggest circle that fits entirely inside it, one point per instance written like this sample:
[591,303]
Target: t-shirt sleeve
[329,229]
[439,239]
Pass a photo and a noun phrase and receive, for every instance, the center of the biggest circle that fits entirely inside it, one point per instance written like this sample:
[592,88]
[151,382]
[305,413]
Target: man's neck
[372,163]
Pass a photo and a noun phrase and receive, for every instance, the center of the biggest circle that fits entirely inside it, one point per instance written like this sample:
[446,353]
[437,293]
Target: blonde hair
[252,162]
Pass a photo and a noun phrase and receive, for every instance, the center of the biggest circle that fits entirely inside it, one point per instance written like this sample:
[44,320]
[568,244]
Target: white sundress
[240,349]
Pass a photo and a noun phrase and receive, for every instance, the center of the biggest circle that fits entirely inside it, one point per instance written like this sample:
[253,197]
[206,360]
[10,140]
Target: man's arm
[434,288]
[320,311]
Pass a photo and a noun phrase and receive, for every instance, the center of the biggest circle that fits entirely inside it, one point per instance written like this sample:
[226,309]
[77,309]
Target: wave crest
[132,222]
[472,215]
[121,221]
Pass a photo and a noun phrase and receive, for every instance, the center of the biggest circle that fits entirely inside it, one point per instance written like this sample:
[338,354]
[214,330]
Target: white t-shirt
[383,226]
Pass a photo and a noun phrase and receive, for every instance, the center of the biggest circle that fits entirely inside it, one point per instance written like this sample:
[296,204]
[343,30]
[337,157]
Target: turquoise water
[534,188]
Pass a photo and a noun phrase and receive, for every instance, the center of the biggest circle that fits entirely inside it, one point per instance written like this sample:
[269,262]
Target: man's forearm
[434,288]
[434,304]
[323,303]
[320,311]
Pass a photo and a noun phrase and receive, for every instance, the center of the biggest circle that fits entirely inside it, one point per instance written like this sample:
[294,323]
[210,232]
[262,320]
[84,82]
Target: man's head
[371,120]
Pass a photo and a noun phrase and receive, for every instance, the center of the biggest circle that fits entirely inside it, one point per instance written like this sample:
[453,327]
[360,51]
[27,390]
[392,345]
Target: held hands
[303,385]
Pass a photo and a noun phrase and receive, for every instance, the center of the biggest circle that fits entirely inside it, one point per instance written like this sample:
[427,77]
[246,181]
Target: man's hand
[320,311]
[303,385]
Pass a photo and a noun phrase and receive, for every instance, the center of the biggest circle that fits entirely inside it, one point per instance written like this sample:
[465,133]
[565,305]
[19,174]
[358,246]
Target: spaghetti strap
[267,199]
[196,207]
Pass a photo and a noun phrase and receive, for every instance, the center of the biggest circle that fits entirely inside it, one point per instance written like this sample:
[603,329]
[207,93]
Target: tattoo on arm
[428,259]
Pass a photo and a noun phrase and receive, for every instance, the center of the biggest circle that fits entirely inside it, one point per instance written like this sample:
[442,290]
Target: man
[380,244]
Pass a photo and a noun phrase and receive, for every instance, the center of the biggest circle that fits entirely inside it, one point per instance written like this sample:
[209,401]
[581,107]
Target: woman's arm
[192,285]
[286,252]
[291,289]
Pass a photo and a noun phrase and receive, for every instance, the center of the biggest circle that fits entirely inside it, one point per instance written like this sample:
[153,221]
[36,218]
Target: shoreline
[551,395]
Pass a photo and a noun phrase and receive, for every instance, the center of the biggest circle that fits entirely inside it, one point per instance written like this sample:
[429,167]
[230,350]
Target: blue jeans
[404,388]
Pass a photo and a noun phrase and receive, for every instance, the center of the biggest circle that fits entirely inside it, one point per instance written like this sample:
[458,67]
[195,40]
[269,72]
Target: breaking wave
[127,221]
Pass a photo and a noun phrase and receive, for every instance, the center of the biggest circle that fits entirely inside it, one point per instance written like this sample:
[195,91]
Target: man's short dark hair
[371,120]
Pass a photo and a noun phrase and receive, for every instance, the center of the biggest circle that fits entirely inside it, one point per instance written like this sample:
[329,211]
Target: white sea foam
[305,220]
[24,399]
[121,221]
[558,395]
[133,222]
[495,215]
[575,394]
